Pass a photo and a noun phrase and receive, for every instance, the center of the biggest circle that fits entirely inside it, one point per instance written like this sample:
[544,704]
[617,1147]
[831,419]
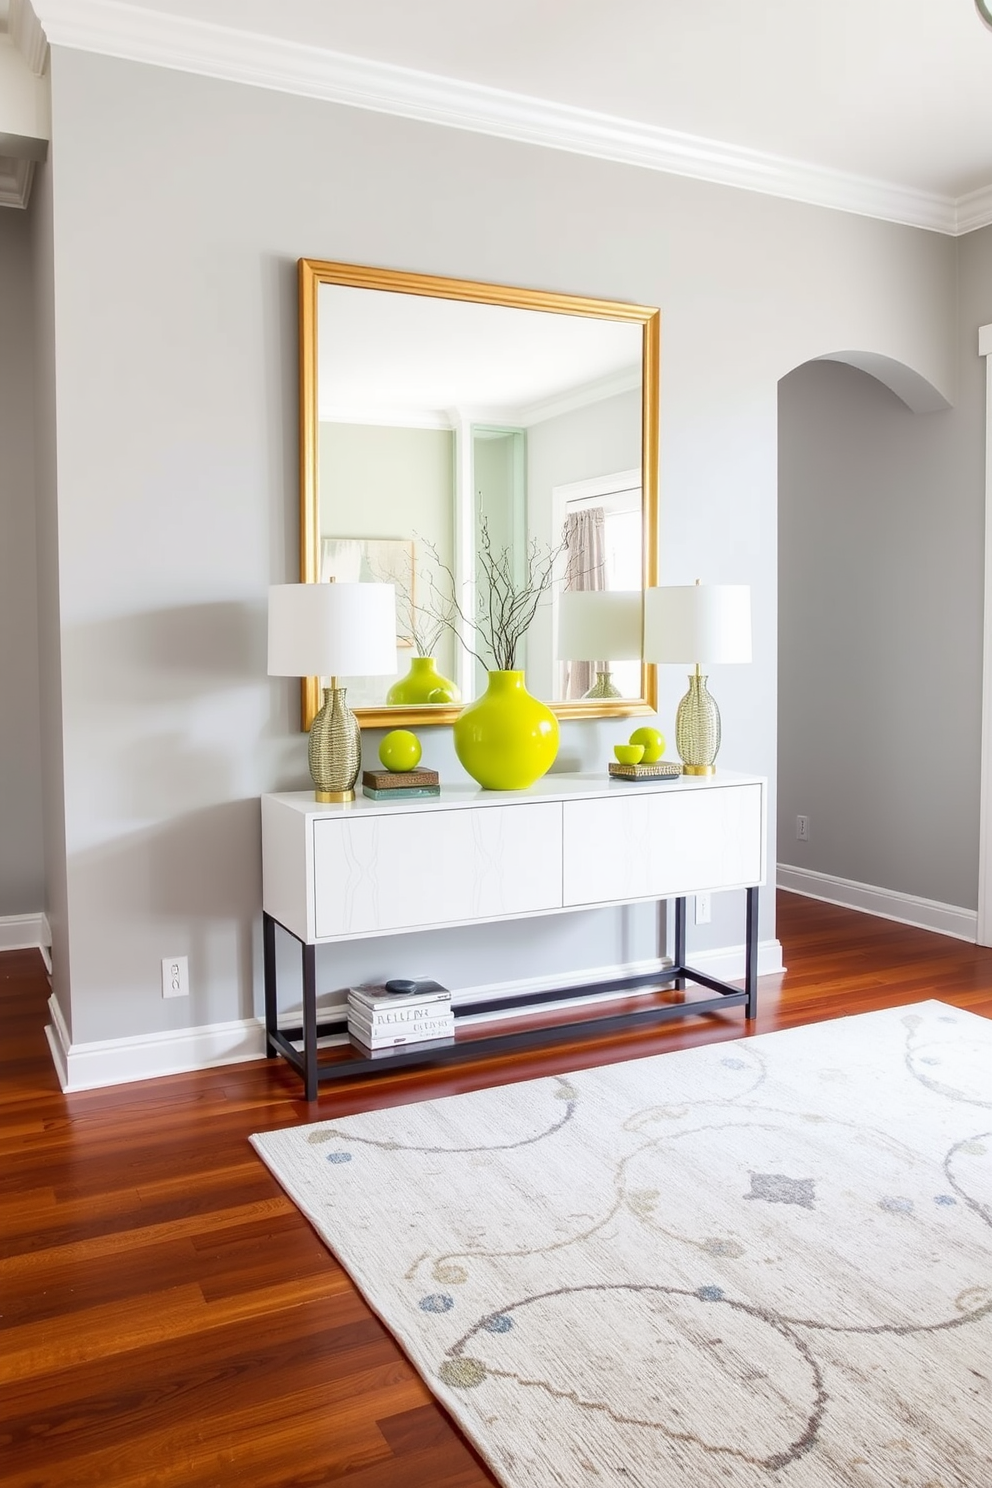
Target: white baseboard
[24,932]
[120,1061]
[907,909]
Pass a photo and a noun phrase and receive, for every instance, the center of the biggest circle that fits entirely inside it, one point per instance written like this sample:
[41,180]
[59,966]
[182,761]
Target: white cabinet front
[658,845]
[406,871]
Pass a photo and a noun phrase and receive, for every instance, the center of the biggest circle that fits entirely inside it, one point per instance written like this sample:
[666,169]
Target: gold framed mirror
[438,416]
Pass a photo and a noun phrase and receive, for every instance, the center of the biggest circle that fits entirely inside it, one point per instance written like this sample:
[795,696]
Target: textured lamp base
[335,749]
[697,728]
[603,687]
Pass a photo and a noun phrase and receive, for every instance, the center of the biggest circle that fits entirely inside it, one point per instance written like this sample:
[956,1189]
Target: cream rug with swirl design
[759,1262]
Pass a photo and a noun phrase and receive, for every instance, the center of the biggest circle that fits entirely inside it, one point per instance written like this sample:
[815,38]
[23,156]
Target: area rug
[759,1262]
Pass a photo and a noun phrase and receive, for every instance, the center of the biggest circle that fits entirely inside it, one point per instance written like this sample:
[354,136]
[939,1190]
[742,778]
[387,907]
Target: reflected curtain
[585,568]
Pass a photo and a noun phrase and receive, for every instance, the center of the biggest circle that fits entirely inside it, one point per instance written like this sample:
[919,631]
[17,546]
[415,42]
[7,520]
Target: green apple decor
[653,741]
[400,751]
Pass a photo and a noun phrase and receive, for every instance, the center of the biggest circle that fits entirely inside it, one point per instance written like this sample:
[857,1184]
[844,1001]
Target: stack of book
[389,785]
[379,1020]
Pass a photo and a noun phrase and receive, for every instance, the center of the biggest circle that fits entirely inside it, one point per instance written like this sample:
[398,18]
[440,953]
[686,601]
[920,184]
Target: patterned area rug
[759,1262]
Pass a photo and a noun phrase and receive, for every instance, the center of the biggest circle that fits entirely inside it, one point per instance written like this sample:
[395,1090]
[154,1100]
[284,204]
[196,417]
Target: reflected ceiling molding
[395,417]
[139,35]
[625,381]
[16,177]
[27,35]
[522,416]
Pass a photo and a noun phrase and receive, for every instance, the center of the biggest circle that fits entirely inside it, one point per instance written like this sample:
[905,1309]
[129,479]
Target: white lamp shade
[692,623]
[599,625]
[332,630]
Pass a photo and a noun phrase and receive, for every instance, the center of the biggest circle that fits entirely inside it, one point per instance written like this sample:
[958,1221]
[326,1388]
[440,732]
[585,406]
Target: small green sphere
[653,740]
[400,751]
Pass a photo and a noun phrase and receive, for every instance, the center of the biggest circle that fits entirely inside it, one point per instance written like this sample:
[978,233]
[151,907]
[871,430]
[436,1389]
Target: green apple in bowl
[654,743]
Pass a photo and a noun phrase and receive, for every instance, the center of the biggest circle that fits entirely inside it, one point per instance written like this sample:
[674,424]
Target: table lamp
[333,630]
[600,626]
[698,623]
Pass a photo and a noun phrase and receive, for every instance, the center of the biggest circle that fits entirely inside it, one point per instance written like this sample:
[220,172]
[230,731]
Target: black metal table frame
[281,1042]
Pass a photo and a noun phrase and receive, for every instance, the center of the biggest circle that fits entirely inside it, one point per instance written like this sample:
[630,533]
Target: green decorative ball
[653,741]
[400,751]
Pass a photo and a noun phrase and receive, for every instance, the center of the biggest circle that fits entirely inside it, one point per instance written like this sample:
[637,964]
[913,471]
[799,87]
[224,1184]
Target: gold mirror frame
[315,272]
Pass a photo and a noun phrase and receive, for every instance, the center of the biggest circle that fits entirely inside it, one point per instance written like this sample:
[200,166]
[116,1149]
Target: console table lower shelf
[577,1024]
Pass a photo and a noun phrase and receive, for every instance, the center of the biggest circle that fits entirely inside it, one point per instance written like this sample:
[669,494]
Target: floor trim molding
[91,1066]
[25,932]
[888,904]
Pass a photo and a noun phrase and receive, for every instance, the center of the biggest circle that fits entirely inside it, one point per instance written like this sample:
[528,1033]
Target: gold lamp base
[335,748]
[697,728]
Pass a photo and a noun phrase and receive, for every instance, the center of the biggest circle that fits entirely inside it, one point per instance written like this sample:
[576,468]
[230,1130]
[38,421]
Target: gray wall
[880,609]
[880,635]
[21,856]
[175,244]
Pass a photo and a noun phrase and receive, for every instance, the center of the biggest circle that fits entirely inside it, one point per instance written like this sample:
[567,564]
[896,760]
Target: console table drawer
[655,846]
[401,871]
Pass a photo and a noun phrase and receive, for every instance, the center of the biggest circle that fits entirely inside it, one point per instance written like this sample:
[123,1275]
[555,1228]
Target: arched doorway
[880,595]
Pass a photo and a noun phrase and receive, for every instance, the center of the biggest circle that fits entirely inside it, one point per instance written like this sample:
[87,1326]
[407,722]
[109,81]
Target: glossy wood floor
[168,1318]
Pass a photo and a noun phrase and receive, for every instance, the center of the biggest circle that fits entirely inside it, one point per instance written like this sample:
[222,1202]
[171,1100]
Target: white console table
[571,842]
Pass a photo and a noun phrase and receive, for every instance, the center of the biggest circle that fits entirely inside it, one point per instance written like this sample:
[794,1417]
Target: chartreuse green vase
[423,683]
[506,739]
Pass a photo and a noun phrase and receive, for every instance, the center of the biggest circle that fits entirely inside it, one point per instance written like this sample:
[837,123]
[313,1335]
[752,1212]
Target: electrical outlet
[175,976]
[704,908]
[802,828]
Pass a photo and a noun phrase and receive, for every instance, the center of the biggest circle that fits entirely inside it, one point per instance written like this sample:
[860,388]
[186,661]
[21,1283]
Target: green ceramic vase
[506,739]
[423,683]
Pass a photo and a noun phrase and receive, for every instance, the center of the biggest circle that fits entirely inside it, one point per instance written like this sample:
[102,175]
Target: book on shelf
[402,1020]
[383,1051]
[373,997]
[384,780]
[401,792]
[388,1038]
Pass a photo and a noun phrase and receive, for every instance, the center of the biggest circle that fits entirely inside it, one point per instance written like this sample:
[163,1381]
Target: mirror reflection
[452,432]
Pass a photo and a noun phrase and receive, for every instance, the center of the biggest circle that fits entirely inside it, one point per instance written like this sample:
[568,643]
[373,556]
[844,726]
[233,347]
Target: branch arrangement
[505,607]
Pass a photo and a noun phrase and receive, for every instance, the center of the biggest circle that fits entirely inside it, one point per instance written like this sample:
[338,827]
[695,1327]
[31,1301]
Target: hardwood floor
[169,1318]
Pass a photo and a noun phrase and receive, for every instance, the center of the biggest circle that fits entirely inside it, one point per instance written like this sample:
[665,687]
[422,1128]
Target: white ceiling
[893,98]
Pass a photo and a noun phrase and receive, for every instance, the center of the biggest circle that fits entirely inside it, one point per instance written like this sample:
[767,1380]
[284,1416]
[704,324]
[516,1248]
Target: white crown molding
[15,181]
[27,35]
[974,210]
[139,35]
